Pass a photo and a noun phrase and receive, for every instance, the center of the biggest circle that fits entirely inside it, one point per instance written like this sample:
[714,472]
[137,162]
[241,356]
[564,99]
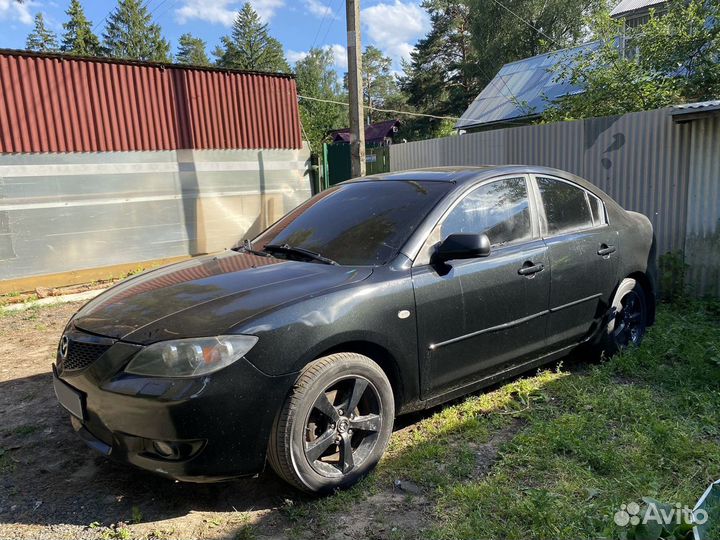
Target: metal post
[354,52]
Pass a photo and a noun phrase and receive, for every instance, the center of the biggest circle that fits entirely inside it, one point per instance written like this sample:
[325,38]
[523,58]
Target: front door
[475,316]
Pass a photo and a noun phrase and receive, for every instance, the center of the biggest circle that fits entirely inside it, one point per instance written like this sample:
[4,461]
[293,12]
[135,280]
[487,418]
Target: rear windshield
[364,223]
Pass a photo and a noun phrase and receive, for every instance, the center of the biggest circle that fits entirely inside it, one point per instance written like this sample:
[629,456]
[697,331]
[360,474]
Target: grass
[25,430]
[6,464]
[568,447]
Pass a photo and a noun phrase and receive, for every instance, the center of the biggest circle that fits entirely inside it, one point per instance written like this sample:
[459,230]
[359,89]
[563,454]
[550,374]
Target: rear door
[583,258]
[475,315]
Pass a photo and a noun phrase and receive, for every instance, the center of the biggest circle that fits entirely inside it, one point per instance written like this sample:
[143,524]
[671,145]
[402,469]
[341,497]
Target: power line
[370,107]
[329,26]
[327,10]
[104,20]
[408,113]
[526,22]
[161,15]
[160,5]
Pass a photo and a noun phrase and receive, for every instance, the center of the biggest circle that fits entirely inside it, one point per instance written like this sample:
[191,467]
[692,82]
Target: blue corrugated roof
[519,89]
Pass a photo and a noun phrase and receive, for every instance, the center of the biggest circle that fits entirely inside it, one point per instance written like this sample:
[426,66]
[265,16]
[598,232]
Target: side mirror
[463,246]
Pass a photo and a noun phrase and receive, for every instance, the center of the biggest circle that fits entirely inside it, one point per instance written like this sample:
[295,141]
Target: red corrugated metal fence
[50,103]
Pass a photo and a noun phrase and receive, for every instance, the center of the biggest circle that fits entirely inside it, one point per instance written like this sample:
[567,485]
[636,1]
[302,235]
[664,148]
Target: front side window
[566,206]
[363,223]
[500,210]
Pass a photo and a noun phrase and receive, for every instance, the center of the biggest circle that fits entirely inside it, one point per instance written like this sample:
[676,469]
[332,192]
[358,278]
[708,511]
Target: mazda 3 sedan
[376,297]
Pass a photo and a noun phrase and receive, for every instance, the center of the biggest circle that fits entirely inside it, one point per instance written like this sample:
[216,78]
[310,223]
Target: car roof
[466,174]
[461,174]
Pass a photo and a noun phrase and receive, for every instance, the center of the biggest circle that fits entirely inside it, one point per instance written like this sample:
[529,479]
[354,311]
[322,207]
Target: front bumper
[225,418]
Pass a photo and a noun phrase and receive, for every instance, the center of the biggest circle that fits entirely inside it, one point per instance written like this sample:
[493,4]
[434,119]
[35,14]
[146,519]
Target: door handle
[605,250]
[528,269]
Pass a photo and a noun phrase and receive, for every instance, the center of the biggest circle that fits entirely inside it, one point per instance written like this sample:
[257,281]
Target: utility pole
[354,52]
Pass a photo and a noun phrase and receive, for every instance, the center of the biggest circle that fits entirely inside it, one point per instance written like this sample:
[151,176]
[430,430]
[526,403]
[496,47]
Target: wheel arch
[378,354]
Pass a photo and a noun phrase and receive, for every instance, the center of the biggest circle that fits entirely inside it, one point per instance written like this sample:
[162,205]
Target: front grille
[81,354]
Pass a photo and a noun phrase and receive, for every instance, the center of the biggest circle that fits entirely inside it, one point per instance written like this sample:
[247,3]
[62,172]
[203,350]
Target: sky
[394,26]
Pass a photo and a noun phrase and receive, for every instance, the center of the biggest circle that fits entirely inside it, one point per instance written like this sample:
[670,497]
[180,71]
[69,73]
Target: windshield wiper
[286,248]
[247,247]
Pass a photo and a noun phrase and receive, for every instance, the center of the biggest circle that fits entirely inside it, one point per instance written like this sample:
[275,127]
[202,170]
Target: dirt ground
[53,486]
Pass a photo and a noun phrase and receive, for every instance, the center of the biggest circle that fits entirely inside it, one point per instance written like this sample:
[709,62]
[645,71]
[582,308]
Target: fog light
[172,450]
[166,450]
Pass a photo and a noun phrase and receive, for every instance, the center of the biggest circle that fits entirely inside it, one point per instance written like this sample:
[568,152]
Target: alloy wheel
[630,320]
[342,426]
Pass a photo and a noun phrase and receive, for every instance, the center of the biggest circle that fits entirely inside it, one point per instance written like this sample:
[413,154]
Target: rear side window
[597,209]
[566,206]
[500,210]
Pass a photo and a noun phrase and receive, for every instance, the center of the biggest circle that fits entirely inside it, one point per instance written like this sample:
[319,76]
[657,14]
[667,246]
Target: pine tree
[131,34]
[41,39]
[191,51]
[79,38]
[378,83]
[250,45]
[442,75]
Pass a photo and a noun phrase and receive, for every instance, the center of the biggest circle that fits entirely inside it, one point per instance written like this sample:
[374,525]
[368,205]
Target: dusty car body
[437,314]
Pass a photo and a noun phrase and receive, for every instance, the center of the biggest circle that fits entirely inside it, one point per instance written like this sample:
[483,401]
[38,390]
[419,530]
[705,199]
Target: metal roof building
[107,165]
[627,7]
[520,90]
[60,103]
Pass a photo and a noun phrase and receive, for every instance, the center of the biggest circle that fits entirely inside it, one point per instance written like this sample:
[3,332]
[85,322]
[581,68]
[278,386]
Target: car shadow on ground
[48,476]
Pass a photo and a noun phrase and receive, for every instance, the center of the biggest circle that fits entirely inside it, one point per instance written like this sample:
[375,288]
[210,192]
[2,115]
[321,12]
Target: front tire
[335,425]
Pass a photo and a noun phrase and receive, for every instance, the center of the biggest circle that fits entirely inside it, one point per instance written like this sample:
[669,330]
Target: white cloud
[16,11]
[267,8]
[295,56]
[222,11]
[316,7]
[340,54]
[394,27]
[338,51]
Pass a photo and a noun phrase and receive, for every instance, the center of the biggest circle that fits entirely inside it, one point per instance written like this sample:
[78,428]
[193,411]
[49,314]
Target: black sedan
[379,296]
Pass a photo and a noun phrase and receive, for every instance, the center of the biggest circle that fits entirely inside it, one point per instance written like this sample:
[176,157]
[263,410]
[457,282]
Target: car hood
[206,296]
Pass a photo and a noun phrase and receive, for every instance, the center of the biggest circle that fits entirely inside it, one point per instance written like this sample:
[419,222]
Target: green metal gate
[377,159]
[336,162]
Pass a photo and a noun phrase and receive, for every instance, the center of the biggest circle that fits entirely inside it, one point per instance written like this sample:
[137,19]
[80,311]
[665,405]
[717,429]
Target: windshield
[364,223]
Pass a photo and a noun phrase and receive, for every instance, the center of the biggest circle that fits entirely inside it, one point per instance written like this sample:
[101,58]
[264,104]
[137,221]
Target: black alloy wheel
[630,320]
[342,426]
[335,424]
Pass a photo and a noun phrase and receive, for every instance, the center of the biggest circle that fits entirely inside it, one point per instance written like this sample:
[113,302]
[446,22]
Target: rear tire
[628,326]
[335,424]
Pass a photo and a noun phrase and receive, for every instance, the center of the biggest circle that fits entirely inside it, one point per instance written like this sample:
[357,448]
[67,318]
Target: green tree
[378,84]
[671,59]
[41,39]
[509,30]
[250,46]
[131,34]
[191,50]
[79,38]
[316,78]
[442,75]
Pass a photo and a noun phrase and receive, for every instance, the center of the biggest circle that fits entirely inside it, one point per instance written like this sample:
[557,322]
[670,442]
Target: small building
[636,12]
[379,134]
[521,90]
[518,93]
[109,165]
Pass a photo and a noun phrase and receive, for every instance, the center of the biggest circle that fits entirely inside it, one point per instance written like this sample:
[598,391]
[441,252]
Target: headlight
[190,357]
